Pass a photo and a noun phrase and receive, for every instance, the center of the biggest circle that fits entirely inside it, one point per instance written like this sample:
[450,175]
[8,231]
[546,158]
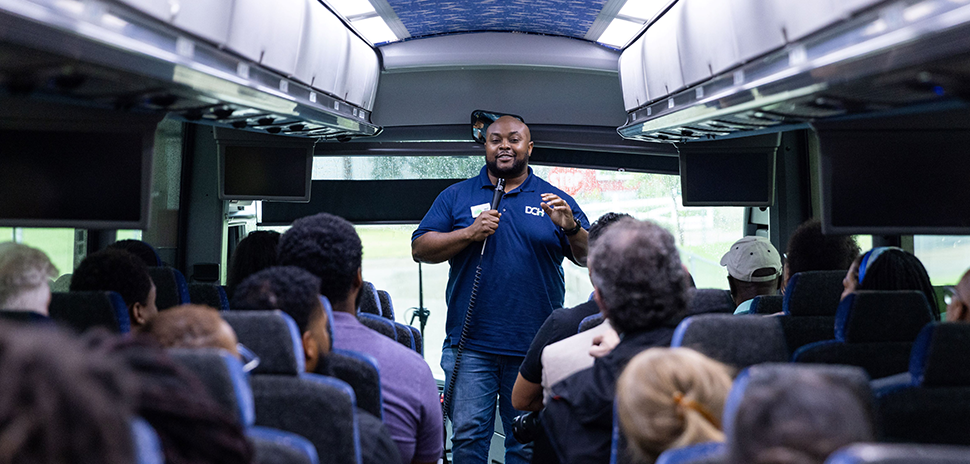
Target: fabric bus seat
[404,336]
[693,454]
[84,310]
[370,302]
[148,447]
[709,301]
[362,372]
[418,339]
[387,307]
[224,380]
[321,409]
[210,295]
[740,341]
[813,293]
[874,330]
[873,453]
[766,304]
[590,322]
[170,286]
[931,404]
[378,324]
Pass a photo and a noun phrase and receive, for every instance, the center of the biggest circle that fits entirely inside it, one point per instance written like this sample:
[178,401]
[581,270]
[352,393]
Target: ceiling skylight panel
[619,32]
[375,30]
[643,10]
[351,8]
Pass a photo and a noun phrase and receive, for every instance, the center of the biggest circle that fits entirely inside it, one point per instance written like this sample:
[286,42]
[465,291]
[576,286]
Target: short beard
[517,168]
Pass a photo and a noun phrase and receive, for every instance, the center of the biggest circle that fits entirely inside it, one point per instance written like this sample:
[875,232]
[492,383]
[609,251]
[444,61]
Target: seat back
[403,335]
[273,446]
[148,447]
[273,336]
[873,330]
[590,321]
[740,341]
[84,310]
[934,405]
[418,339]
[360,371]
[767,304]
[882,453]
[210,295]
[171,288]
[223,378]
[709,301]
[387,307]
[813,293]
[320,409]
[370,302]
[691,454]
[802,330]
[378,324]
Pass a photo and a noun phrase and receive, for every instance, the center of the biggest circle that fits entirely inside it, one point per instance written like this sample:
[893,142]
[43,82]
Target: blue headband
[870,257]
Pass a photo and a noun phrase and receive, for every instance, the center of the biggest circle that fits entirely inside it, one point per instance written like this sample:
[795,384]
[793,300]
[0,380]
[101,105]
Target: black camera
[526,427]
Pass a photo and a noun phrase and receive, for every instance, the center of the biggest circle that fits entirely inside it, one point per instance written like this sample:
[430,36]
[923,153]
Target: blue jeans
[481,378]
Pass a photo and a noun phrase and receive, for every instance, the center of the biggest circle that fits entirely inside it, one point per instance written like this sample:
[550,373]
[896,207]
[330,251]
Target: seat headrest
[370,302]
[740,341]
[210,295]
[939,356]
[813,293]
[223,377]
[896,453]
[691,453]
[171,288]
[273,336]
[882,316]
[378,324]
[387,307]
[767,304]
[855,378]
[84,310]
[709,300]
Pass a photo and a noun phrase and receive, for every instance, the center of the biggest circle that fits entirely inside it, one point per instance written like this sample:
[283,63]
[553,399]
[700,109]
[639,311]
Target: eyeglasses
[249,359]
[950,294]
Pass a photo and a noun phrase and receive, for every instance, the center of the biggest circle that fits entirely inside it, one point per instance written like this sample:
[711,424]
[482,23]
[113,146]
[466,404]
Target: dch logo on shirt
[535,211]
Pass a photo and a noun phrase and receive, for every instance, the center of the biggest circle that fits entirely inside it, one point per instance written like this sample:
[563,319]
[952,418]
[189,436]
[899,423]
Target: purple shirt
[412,408]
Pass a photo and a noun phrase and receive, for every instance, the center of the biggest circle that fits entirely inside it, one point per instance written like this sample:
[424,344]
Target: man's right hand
[484,225]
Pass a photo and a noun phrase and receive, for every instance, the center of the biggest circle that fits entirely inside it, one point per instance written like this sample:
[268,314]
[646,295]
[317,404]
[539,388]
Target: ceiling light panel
[375,30]
[619,33]
[643,10]
[351,8]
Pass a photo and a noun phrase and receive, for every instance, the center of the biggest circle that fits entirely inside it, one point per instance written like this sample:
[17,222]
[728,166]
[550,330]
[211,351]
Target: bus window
[946,257]
[6,234]
[57,243]
[129,234]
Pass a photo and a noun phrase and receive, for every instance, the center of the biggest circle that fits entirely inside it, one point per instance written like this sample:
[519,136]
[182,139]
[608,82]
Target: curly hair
[603,222]
[810,250]
[253,254]
[328,247]
[797,418]
[60,402]
[22,270]
[290,289]
[142,250]
[637,271]
[669,398]
[114,270]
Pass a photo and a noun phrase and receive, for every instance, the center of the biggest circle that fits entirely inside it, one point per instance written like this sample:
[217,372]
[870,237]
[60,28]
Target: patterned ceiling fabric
[570,18]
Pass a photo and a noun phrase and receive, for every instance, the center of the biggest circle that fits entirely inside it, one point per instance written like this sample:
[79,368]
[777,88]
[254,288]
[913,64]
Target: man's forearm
[579,244]
[438,247]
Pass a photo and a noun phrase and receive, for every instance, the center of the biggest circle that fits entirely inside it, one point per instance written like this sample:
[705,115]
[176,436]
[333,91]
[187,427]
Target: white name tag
[478,209]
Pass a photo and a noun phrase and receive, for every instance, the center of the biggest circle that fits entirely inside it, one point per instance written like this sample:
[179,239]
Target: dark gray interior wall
[793,201]
[205,223]
[540,96]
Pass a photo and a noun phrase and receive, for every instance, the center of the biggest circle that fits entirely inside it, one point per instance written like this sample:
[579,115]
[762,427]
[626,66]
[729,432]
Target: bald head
[192,326]
[958,308]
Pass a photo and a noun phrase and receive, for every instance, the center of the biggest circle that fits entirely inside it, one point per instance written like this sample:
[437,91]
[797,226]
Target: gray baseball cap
[749,255]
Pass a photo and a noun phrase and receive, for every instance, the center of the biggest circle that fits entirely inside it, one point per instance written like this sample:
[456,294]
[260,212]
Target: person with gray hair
[25,275]
[641,286]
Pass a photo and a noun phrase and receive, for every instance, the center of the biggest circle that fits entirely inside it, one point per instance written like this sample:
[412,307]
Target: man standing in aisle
[535,227]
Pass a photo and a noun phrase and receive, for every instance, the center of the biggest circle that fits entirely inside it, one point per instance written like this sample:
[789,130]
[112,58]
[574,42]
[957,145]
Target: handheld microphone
[499,191]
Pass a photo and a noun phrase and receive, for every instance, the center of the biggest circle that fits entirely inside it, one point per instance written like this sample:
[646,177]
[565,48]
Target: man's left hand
[558,211]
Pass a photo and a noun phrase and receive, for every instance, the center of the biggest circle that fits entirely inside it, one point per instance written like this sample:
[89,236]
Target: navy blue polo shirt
[522,277]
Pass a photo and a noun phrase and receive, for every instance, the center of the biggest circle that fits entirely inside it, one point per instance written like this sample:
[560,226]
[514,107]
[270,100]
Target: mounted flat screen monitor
[69,177]
[728,177]
[260,171]
[890,182]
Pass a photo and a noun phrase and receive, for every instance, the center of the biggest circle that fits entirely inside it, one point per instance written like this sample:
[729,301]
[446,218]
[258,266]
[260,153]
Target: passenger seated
[810,250]
[122,272]
[890,268]
[639,283]
[754,268]
[59,403]
[328,247]
[669,398]
[252,254]
[294,291]
[797,418]
[527,394]
[193,326]
[958,308]
[25,275]
[142,250]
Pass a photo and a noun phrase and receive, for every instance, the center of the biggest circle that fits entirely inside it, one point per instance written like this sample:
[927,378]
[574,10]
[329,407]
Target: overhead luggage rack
[104,54]
[894,55]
